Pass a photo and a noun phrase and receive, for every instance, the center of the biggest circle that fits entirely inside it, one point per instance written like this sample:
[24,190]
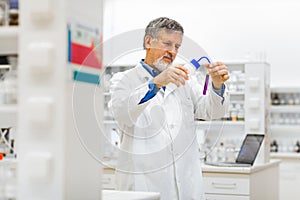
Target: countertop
[129,195]
[239,170]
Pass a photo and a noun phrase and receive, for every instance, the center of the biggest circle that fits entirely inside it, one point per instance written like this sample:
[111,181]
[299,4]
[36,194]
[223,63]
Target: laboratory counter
[240,170]
[260,181]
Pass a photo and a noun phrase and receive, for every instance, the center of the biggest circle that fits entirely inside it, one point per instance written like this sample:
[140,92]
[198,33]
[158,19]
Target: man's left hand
[219,73]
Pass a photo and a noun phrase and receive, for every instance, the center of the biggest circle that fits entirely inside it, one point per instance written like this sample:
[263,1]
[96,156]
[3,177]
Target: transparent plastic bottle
[221,154]
[193,66]
[297,99]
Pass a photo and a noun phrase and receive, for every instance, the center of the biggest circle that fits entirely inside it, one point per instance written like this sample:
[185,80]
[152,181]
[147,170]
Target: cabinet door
[289,179]
[226,197]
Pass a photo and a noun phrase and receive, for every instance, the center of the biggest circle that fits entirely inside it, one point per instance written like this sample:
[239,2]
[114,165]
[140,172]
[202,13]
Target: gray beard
[160,65]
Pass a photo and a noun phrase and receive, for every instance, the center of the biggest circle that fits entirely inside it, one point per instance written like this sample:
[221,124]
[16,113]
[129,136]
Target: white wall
[227,30]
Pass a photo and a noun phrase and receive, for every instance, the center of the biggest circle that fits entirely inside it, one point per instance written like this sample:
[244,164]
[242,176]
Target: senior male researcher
[155,105]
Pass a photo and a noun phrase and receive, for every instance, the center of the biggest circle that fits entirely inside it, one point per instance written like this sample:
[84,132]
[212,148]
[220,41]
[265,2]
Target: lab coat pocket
[188,110]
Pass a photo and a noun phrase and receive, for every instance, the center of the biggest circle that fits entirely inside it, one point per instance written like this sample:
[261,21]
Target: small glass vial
[233,115]
[297,99]
[290,99]
[241,115]
[282,99]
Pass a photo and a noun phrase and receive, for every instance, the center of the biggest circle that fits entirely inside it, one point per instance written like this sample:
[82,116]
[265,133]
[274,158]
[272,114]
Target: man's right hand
[173,74]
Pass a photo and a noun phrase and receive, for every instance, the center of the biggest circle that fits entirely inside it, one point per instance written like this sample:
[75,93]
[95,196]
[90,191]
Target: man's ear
[147,41]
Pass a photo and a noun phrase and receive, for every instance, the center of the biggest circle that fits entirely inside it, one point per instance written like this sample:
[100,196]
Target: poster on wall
[84,51]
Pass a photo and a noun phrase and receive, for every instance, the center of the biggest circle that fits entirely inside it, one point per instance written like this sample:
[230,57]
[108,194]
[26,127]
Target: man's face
[162,51]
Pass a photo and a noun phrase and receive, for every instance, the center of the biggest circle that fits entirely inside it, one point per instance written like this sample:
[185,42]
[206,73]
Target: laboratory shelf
[286,109]
[285,128]
[7,108]
[225,123]
[236,93]
[285,155]
[9,40]
[285,89]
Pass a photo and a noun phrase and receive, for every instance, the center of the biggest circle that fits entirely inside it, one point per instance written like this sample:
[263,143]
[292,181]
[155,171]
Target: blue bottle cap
[195,63]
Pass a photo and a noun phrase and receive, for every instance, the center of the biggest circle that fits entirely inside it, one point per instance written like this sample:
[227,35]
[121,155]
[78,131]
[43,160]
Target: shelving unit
[286,109]
[8,112]
[8,108]
[220,123]
[249,92]
[285,129]
[285,117]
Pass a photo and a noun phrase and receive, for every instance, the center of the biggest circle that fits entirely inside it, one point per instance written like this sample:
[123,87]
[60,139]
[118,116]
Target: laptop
[247,153]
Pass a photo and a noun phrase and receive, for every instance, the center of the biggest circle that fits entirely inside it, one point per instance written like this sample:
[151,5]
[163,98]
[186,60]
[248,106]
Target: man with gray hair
[155,105]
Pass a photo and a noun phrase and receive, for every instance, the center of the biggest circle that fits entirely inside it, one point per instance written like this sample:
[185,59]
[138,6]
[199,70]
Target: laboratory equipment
[194,65]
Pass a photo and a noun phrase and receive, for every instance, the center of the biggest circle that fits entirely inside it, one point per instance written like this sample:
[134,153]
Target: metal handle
[224,185]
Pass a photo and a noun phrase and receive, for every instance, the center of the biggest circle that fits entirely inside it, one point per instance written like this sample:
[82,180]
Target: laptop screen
[249,148]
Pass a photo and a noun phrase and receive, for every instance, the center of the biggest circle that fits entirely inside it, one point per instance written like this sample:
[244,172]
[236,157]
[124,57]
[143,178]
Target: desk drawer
[226,185]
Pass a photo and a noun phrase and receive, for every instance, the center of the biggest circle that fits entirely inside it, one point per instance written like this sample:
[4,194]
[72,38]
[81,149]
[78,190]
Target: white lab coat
[159,151]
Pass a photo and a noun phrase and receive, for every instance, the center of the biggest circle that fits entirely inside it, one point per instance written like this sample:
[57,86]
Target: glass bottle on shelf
[241,113]
[233,115]
[290,99]
[293,118]
[282,99]
[274,146]
[297,147]
[287,119]
[221,152]
[281,119]
[298,119]
[297,99]
[275,99]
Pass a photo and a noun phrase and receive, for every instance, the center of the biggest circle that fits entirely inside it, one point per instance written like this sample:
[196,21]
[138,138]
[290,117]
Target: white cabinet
[255,183]
[289,178]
